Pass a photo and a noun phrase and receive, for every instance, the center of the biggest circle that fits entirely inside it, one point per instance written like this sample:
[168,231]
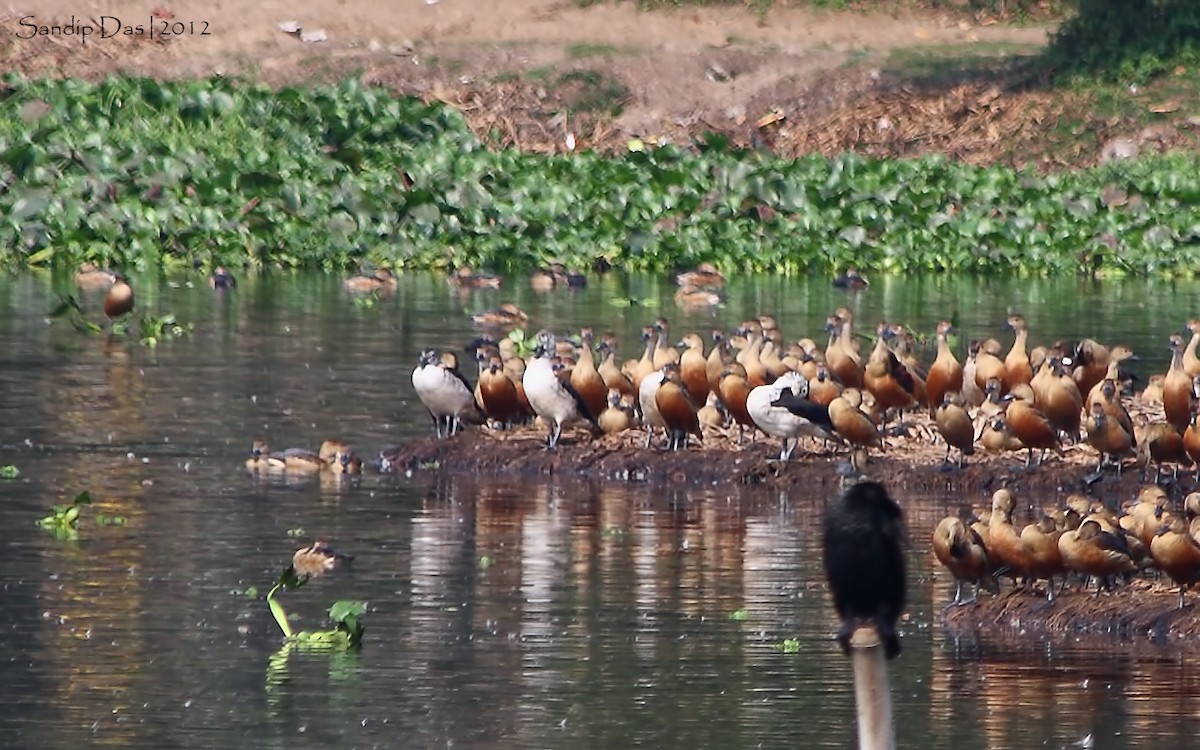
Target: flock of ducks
[1032,399]
[1084,538]
[1038,400]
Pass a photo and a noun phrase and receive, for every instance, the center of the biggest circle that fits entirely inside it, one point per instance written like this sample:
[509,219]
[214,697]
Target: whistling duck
[888,380]
[1029,424]
[1041,546]
[1191,441]
[465,278]
[616,417]
[993,405]
[663,353]
[695,297]
[330,449]
[1091,551]
[712,414]
[1161,444]
[90,277]
[1177,389]
[756,371]
[972,394]
[961,550]
[822,388]
[1059,399]
[443,390]
[498,394]
[1116,356]
[318,559]
[997,438]
[1177,554]
[955,426]
[840,358]
[703,275]
[1108,437]
[379,280]
[1004,542]
[716,361]
[676,408]
[221,278]
[770,330]
[693,367]
[507,314]
[1090,360]
[1017,368]
[1191,512]
[733,390]
[1153,392]
[769,357]
[118,300]
[612,375]
[542,280]
[645,365]
[1191,363]
[988,363]
[1146,515]
[552,398]
[782,409]
[290,460]
[586,380]
[851,423]
[945,374]
[905,350]
[851,281]
[345,462]
[561,276]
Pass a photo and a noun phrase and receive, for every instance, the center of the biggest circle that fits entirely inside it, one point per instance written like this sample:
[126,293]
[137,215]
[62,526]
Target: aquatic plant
[346,633]
[63,521]
[151,328]
[9,472]
[137,173]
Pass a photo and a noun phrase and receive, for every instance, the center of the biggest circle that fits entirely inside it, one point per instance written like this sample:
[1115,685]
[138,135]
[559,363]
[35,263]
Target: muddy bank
[1144,611]
[622,458]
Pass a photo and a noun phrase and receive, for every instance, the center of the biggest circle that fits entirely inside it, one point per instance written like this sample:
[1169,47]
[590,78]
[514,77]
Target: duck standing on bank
[782,409]
[552,398]
[444,391]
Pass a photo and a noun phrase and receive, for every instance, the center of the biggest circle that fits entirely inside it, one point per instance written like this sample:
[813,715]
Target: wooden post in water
[872,697]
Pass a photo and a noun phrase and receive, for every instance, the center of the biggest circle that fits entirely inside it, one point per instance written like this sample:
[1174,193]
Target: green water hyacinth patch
[346,633]
[137,173]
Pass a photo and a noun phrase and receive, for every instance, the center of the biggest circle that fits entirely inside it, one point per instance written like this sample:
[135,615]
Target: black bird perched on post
[864,562]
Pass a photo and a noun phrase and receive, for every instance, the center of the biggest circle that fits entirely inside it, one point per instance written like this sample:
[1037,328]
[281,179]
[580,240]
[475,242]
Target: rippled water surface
[500,614]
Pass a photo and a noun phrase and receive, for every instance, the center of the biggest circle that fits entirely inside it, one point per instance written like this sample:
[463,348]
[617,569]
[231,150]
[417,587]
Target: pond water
[500,614]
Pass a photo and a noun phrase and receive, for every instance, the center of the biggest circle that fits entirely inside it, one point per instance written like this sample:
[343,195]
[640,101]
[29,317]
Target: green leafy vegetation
[9,472]
[63,521]
[150,330]
[1127,39]
[137,173]
[346,633]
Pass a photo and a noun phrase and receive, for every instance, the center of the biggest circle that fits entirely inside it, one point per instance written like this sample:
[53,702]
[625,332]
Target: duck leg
[555,434]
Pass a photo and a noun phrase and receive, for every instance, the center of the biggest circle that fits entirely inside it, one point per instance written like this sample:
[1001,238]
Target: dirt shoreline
[622,458]
[1145,611]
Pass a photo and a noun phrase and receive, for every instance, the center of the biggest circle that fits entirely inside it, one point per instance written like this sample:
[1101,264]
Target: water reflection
[548,614]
